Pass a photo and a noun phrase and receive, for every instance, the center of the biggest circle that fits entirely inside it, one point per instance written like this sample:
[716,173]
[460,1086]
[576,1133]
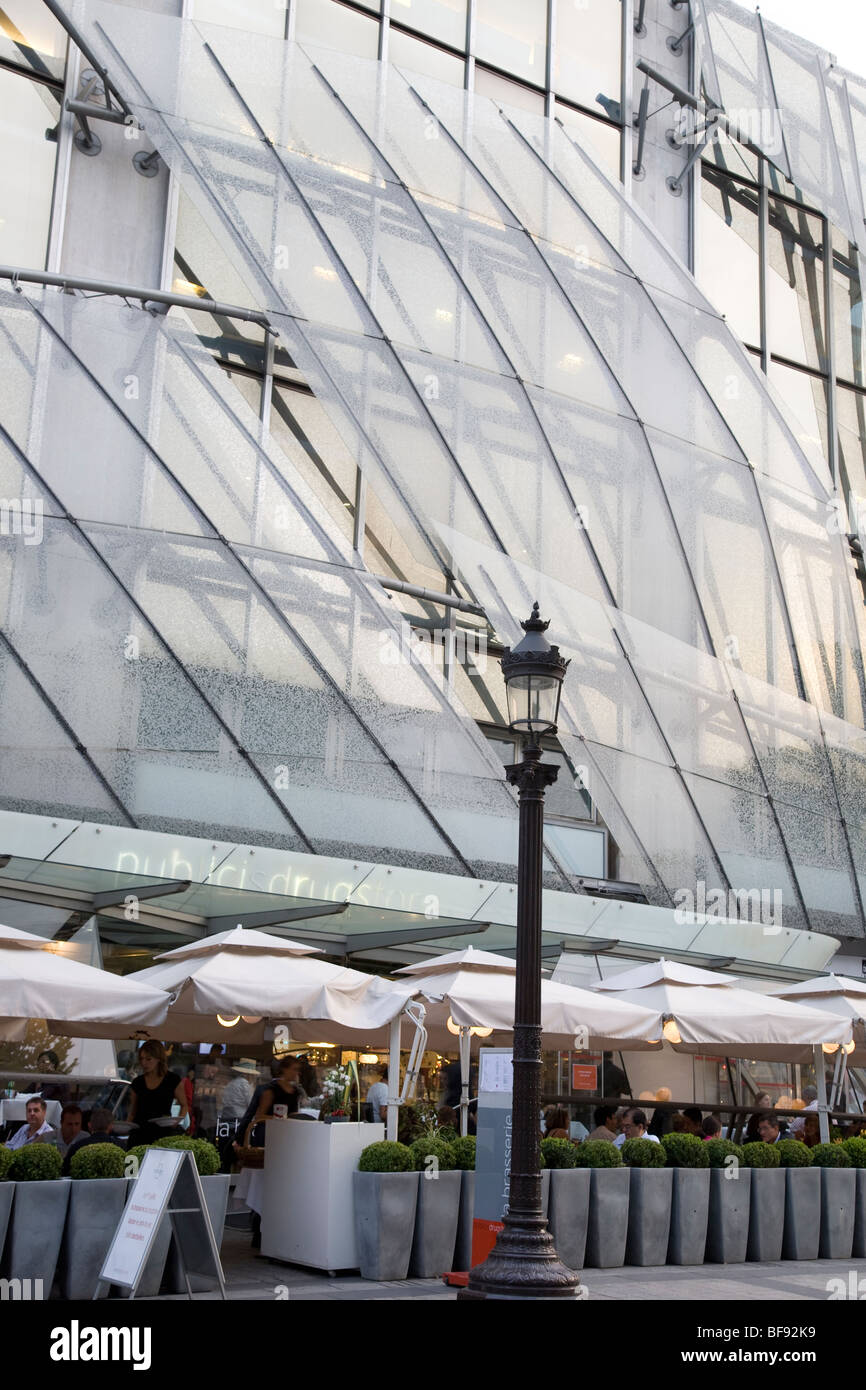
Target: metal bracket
[676,45]
[146,164]
[639,26]
[640,121]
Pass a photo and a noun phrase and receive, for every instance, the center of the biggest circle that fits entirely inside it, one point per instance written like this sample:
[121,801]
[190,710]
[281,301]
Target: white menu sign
[497,1071]
[141,1217]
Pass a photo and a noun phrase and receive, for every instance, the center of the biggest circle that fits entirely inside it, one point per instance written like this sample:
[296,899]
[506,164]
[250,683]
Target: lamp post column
[524,1262]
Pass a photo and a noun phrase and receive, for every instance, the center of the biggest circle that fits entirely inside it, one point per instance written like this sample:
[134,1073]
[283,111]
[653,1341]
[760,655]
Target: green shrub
[831,1156]
[761,1155]
[685,1151]
[205,1154]
[464,1152]
[98,1161]
[643,1153]
[386,1156]
[440,1149]
[793,1154]
[6,1157]
[447,1132]
[558,1153]
[719,1150]
[597,1153]
[35,1163]
[855,1149]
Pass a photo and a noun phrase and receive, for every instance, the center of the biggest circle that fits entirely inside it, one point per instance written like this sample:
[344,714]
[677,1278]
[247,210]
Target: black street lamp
[524,1263]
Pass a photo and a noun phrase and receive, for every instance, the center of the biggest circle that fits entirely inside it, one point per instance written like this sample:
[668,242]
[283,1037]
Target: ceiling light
[672,1032]
[228,1022]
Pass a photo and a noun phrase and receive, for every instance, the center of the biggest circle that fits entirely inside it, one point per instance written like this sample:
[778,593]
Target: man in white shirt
[634,1127]
[36,1130]
[810,1096]
[377,1096]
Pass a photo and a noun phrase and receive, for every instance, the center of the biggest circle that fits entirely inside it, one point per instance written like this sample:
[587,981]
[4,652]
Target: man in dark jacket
[101,1122]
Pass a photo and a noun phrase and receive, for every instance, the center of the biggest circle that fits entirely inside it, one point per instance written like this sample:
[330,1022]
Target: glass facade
[487,378]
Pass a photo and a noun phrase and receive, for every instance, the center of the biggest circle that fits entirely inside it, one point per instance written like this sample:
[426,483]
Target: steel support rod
[637,167]
[88,110]
[81,43]
[183,301]
[430,595]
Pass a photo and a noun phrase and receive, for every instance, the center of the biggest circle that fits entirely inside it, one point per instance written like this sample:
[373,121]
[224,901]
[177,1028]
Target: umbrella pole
[393,1079]
[821,1083]
[465,1044]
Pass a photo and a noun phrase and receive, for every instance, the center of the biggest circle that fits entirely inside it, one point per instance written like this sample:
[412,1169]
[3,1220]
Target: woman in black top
[153,1093]
[284,1091]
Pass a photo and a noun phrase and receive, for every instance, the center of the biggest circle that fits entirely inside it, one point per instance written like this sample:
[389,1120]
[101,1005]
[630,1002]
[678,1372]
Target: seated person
[556,1123]
[99,1132]
[71,1120]
[771,1129]
[711,1127]
[811,1131]
[36,1130]
[693,1121]
[606,1123]
[634,1127]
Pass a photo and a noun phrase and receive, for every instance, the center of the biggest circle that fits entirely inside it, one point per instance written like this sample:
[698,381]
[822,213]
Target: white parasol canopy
[704,1010]
[837,994]
[476,989]
[236,985]
[37,981]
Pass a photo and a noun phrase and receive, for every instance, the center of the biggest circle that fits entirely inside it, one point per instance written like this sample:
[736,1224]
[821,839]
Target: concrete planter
[385,1207]
[767,1215]
[858,1249]
[7,1192]
[435,1225]
[463,1244]
[838,1199]
[35,1232]
[690,1208]
[802,1214]
[216,1194]
[607,1224]
[95,1208]
[545,1191]
[728,1219]
[568,1213]
[650,1194]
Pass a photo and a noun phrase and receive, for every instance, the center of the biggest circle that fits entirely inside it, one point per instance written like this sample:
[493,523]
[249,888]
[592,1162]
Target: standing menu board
[492,1148]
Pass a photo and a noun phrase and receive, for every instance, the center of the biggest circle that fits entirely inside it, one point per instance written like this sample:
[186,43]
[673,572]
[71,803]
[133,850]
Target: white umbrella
[237,985]
[77,1000]
[476,989]
[841,995]
[705,1010]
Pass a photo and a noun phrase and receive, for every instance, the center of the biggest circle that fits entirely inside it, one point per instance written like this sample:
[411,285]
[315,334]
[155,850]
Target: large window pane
[512,35]
[587,52]
[847,310]
[256,16]
[728,264]
[490,84]
[335,26]
[27,159]
[600,140]
[795,285]
[441,19]
[31,36]
[417,56]
[806,396]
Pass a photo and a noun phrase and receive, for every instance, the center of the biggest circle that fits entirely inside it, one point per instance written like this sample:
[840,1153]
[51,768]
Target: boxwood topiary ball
[423,1149]
[831,1156]
[793,1154]
[686,1151]
[97,1161]
[558,1153]
[464,1152]
[643,1153]
[386,1156]
[597,1153]
[720,1150]
[761,1155]
[855,1149]
[35,1163]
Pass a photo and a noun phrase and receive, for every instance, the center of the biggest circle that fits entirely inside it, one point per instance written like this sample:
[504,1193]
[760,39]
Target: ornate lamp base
[522,1264]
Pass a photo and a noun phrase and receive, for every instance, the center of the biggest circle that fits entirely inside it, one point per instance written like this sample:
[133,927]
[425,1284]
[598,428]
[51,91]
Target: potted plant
[728,1213]
[690,1199]
[856,1151]
[215,1189]
[438,1206]
[802,1231]
[568,1200]
[649,1202]
[607,1218]
[386,1198]
[838,1200]
[96,1200]
[38,1214]
[336,1107]
[7,1192]
[767,1212]
[463,1149]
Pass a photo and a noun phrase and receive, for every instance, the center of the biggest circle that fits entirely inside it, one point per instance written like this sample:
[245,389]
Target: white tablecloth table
[249,1188]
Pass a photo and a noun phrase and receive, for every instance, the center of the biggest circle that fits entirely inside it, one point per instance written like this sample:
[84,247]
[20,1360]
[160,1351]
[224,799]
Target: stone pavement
[254,1277]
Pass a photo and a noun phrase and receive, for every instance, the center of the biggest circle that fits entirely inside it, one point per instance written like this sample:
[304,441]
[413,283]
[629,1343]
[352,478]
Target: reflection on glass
[256,16]
[27,159]
[847,310]
[728,265]
[30,33]
[805,394]
[512,35]
[600,140]
[308,439]
[417,56]
[441,19]
[336,26]
[795,285]
[587,51]
[490,84]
